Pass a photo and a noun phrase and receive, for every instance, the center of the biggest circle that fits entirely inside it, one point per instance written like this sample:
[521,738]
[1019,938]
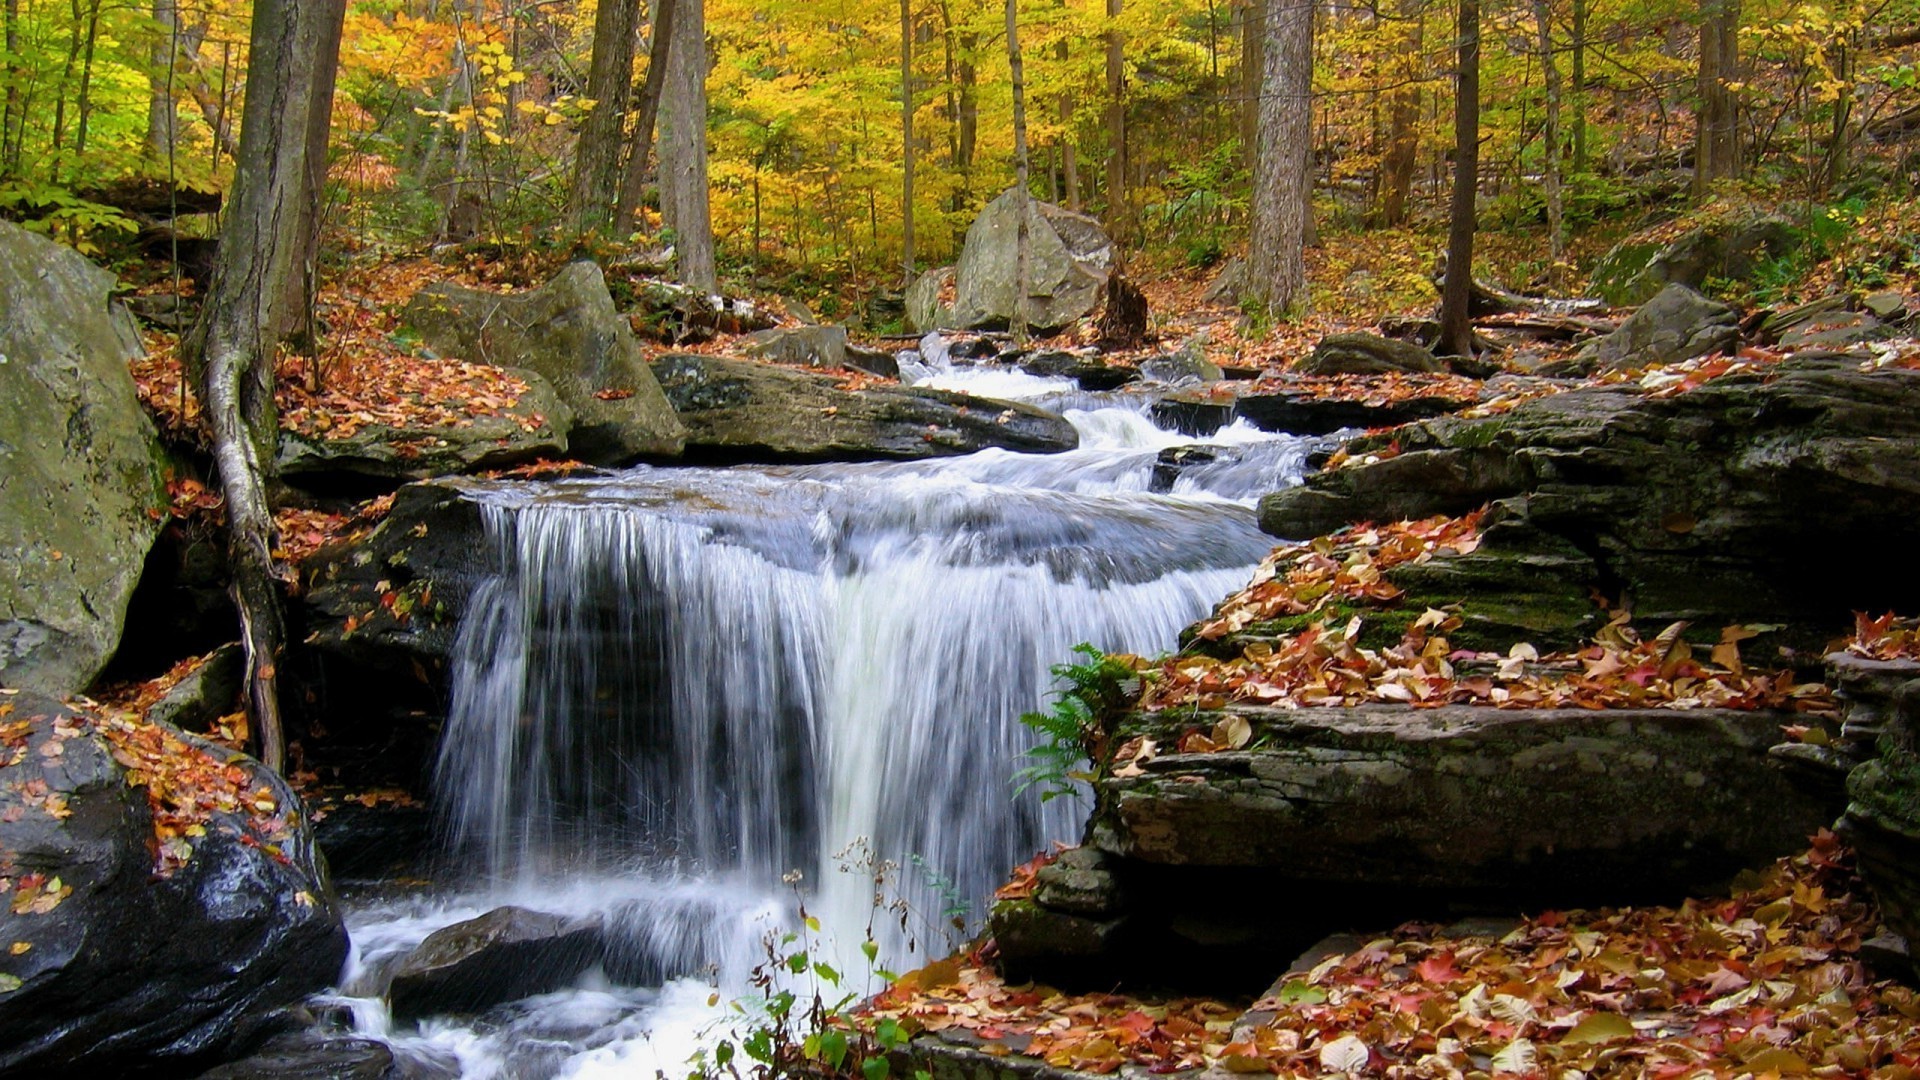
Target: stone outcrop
[1069,259]
[81,476]
[1367,354]
[124,970]
[925,310]
[808,346]
[569,333]
[506,954]
[534,427]
[1704,506]
[1678,324]
[1635,270]
[1882,821]
[738,411]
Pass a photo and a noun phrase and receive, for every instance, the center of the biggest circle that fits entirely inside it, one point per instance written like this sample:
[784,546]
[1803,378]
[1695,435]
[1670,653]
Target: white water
[684,685]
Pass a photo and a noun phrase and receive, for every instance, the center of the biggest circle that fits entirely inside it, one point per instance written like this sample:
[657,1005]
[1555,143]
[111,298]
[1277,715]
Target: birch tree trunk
[232,345]
[1456,328]
[683,148]
[596,159]
[1276,252]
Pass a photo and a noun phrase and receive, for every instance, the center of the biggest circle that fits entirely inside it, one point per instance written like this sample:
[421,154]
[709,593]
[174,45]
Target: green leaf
[1300,992]
[833,1048]
[723,1053]
[759,1045]
[875,1068]
[821,969]
[889,1034]
[871,948]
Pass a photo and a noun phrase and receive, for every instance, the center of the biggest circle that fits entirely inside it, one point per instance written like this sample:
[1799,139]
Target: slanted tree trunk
[683,148]
[232,346]
[1456,329]
[1717,131]
[906,140]
[1276,251]
[596,160]
[633,183]
[1556,199]
[1119,214]
[1022,201]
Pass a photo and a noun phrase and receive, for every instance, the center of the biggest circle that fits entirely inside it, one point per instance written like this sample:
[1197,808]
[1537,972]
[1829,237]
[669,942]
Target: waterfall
[680,686]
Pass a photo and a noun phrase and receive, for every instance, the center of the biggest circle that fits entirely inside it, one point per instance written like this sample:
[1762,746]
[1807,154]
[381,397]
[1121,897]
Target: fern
[1070,731]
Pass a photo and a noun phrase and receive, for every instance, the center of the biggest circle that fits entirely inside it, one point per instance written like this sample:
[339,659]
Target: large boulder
[1367,354]
[807,346]
[925,310]
[506,954]
[1678,324]
[81,476]
[113,968]
[1883,810]
[533,427]
[1703,506]
[737,411]
[568,332]
[1637,269]
[1069,259]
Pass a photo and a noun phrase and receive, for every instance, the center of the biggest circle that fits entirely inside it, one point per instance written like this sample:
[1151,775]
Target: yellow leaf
[1599,1028]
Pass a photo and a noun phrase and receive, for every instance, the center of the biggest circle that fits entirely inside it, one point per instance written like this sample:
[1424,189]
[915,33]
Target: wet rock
[1193,414]
[506,954]
[384,456]
[736,411]
[1027,933]
[873,361]
[925,312]
[182,606]
[568,332]
[1299,413]
[314,1057]
[1367,354]
[81,489]
[1698,507]
[1175,460]
[1099,377]
[1187,365]
[1080,882]
[377,843]
[1635,270]
[806,346]
[1678,324]
[1055,363]
[1567,804]
[129,971]
[209,692]
[1069,260]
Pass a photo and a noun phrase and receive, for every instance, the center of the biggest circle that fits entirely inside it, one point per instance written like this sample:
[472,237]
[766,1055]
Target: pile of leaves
[1378,391]
[1767,981]
[303,532]
[1885,637]
[1314,586]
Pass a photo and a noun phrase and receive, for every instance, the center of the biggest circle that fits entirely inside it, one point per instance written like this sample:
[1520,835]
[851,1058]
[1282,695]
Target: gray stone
[210,691]
[507,954]
[134,972]
[1069,259]
[534,427]
[1677,324]
[1367,354]
[1186,365]
[739,411]
[1888,306]
[81,475]
[808,346]
[873,361]
[925,312]
[568,331]
[1635,271]
[1079,882]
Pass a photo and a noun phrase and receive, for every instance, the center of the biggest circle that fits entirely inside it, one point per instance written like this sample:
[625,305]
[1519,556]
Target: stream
[693,703]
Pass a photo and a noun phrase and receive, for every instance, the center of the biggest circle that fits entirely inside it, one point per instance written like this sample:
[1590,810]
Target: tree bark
[1717,132]
[906,140]
[596,159]
[1402,158]
[1456,329]
[295,318]
[633,183]
[232,345]
[683,149]
[1579,86]
[968,138]
[1069,152]
[1022,202]
[1556,198]
[1119,213]
[1276,252]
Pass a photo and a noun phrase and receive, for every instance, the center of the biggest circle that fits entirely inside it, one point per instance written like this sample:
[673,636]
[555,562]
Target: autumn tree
[233,344]
[1276,266]
[684,195]
[1456,328]
[1022,202]
[647,110]
[597,155]
[1717,132]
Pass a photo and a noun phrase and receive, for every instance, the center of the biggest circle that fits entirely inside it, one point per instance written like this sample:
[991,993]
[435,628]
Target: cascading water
[682,685]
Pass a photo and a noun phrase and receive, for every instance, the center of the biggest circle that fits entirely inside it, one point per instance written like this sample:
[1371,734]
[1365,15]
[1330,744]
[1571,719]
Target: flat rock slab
[738,411]
[1586,803]
[506,954]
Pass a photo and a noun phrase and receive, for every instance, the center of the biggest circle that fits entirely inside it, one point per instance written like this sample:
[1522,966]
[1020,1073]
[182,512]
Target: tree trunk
[1276,251]
[1556,199]
[1456,330]
[163,110]
[1069,153]
[906,140]
[1402,158]
[1023,240]
[1579,86]
[232,345]
[967,140]
[1119,214]
[295,316]
[1253,71]
[1717,132]
[14,121]
[596,159]
[633,183]
[683,148]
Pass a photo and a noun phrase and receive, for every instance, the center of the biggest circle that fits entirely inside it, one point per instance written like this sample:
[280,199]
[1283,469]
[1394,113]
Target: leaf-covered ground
[1767,981]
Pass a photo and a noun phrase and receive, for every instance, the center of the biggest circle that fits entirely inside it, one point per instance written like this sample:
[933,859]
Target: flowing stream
[692,701]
